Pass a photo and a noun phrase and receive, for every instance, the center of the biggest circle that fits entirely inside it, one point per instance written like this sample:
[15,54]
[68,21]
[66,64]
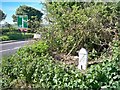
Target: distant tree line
[2,15]
[34,16]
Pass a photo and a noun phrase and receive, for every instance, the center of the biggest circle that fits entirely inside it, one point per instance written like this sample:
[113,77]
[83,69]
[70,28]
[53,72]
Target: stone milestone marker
[83,59]
[37,36]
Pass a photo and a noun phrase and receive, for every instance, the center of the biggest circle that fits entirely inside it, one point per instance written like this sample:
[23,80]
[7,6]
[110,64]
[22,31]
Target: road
[10,48]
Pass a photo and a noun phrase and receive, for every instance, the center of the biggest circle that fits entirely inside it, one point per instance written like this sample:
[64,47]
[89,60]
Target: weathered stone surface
[83,59]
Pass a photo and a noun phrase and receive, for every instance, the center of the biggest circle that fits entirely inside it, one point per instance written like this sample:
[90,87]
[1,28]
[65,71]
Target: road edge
[10,41]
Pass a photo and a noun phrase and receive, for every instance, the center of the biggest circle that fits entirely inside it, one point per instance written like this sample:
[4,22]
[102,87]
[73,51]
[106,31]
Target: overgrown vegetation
[73,25]
[33,67]
[79,24]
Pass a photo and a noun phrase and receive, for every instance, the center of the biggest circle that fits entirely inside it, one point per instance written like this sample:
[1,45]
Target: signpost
[22,21]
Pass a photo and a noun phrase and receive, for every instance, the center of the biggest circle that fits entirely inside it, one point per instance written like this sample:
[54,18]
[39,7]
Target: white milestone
[83,59]
[37,36]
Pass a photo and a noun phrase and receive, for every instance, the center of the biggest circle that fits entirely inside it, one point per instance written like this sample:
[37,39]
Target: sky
[9,7]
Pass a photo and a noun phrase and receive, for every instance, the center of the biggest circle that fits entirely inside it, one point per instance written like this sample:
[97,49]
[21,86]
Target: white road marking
[14,43]
[10,49]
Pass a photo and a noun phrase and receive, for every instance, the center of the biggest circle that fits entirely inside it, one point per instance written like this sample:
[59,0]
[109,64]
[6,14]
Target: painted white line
[10,49]
[14,43]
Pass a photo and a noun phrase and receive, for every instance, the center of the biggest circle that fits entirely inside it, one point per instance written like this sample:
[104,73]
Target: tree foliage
[2,15]
[81,24]
[33,14]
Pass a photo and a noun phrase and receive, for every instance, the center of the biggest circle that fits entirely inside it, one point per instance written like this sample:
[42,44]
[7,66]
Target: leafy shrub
[22,65]
[2,30]
[16,36]
[37,69]
[3,38]
[13,34]
[107,74]
[28,35]
[78,24]
[5,30]
[38,48]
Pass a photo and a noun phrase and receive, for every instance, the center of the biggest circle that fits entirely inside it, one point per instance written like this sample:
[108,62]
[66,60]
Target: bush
[22,65]
[4,38]
[33,67]
[38,48]
[5,30]
[13,34]
[2,30]
[74,25]
[16,36]
[107,74]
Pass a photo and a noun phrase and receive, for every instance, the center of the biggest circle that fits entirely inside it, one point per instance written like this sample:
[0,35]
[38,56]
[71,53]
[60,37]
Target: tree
[32,13]
[8,25]
[2,15]
[80,24]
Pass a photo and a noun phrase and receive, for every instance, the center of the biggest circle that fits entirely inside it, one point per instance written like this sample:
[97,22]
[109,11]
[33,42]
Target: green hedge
[15,36]
[5,30]
[33,67]
[4,38]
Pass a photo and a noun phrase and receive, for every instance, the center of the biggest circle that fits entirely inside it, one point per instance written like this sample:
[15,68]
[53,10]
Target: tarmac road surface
[7,49]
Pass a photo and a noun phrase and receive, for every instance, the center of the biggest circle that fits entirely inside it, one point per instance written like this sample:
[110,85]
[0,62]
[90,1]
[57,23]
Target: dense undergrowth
[33,67]
[73,25]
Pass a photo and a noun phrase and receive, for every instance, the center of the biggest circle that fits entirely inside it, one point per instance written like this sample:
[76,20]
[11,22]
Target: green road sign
[22,21]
